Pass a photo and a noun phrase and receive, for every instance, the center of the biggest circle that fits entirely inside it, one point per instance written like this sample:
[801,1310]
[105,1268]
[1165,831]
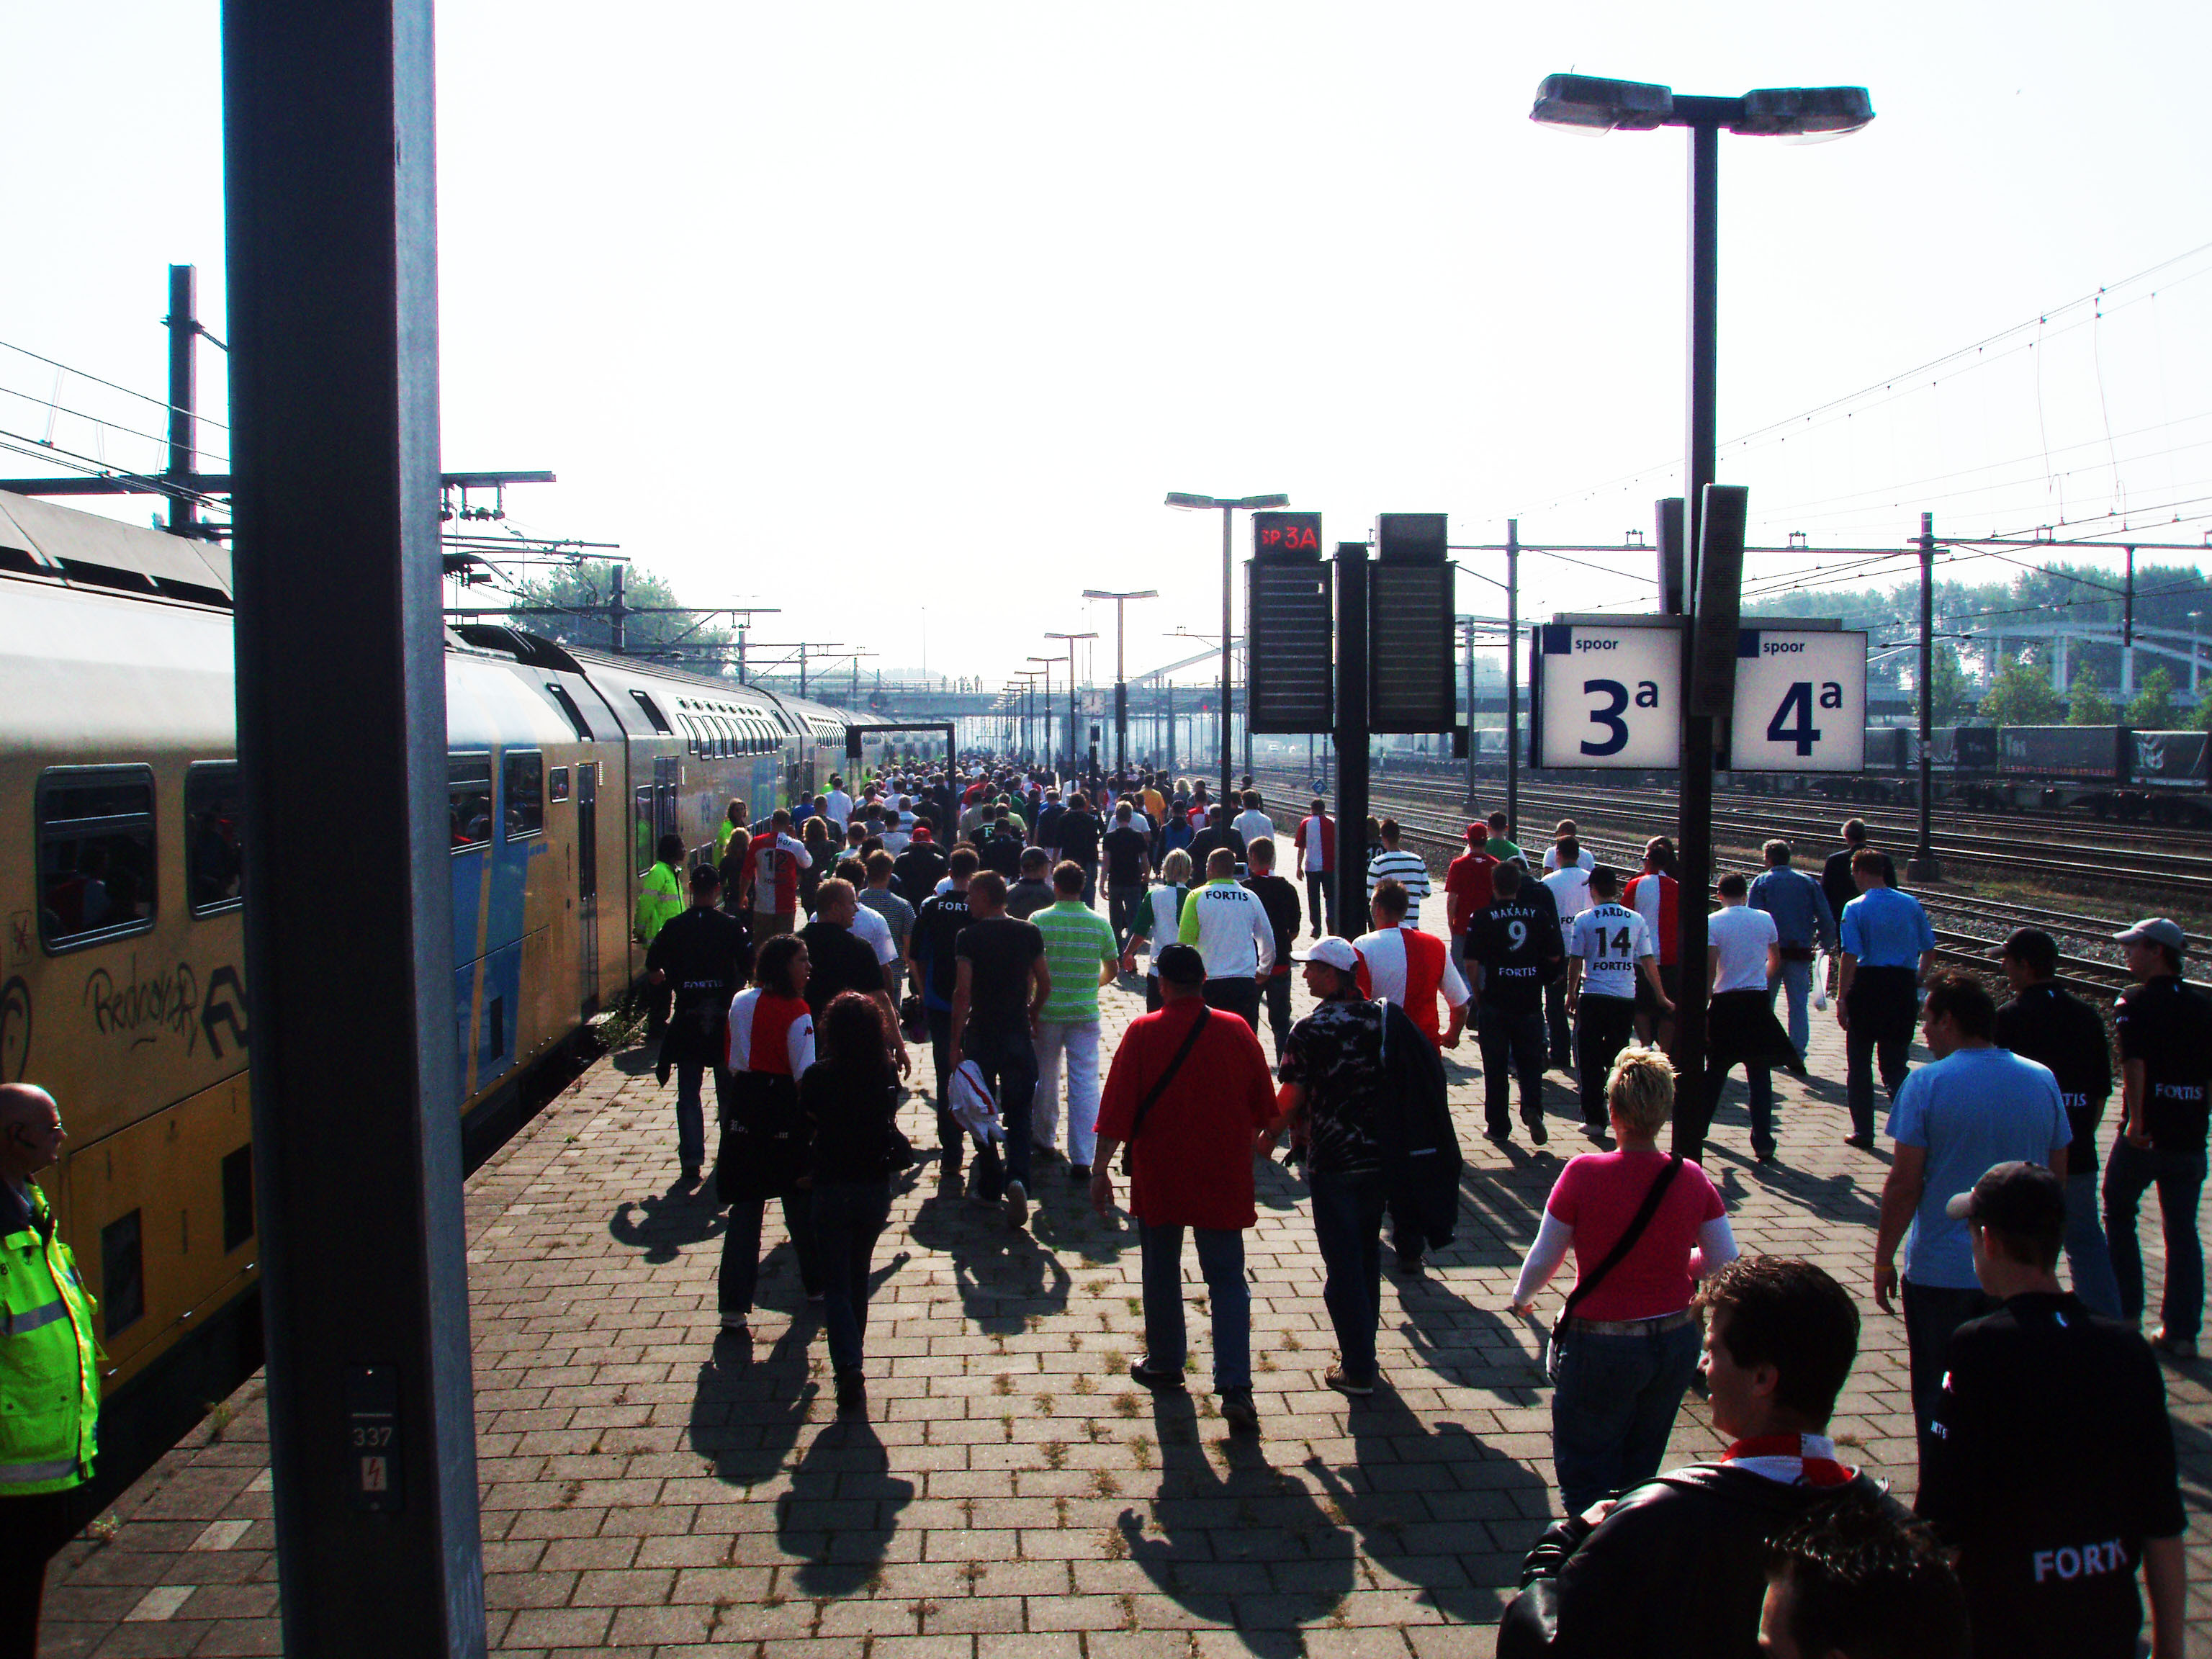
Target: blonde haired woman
[1643,1228]
[1158,913]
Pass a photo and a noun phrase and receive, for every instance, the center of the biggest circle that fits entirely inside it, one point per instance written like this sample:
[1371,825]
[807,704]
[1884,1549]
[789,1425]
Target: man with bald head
[50,1387]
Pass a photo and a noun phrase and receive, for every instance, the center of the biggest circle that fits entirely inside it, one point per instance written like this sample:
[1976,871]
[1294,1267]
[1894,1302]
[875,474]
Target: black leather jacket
[1675,1570]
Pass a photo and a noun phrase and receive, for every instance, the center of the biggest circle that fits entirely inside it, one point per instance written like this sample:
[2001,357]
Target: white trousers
[1078,1041]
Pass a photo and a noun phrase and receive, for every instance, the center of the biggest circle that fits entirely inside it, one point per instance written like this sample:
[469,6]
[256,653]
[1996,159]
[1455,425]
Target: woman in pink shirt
[1628,1341]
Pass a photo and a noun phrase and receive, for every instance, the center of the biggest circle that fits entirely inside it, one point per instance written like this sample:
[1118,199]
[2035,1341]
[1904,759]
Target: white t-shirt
[1588,859]
[1252,824]
[876,934]
[1569,891]
[841,808]
[1610,939]
[1314,860]
[1738,936]
[1384,953]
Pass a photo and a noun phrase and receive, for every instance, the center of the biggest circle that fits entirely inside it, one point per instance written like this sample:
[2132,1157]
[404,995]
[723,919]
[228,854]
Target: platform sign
[1800,701]
[1606,696]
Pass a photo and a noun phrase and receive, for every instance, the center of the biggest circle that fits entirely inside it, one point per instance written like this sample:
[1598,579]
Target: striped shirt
[1078,942]
[1404,866]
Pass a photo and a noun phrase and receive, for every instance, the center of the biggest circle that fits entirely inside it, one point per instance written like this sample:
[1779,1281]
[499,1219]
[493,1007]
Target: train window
[213,863]
[237,1197]
[122,1274]
[556,783]
[96,865]
[641,801]
[522,778]
[652,712]
[560,695]
[468,800]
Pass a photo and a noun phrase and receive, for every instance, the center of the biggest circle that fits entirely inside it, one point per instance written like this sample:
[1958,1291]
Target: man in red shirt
[1468,890]
[1186,1093]
[1401,964]
[1654,895]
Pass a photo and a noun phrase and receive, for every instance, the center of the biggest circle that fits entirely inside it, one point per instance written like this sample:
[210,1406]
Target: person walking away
[1403,965]
[1001,844]
[1644,1228]
[1511,943]
[1316,860]
[2055,1028]
[2164,1030]
[701,957]
[736,901]
[773,862]
[1887,946]
[762,1154]
[1568,889]
[848,1099]
[50,1374]
[1127,849]
[1558,857]
[1803,925]
[1048,823]
[1779,1340]
[1502,846]
[1229,925]
[1467,890]
[897,916]
[1838,885]
[822,858]
[1976,1107]
[1742,958]
[917,872]
[1851,1581]
[2051,1469]
[840,959]
[998,993]
[660,892]
[1080,836]
[1079,953]
[1156,924]
[1032,891]
[1607,949]
[1654,895]
[733,820]
[1217,834]
[1188,1091]
[1279,899]
[1253,822]
[932,960]
[1395,862]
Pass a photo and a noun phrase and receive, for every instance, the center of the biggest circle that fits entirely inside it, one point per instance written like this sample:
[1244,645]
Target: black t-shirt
[937,926]
[1127,848]
[2048,1462]
[1002,852]
[1027,897]
[849,1118]
[837,959]
[1203,843]
[917,872]
[2054,1028]
[2168,1027]
[1049,822]
[998,952]
[1279,897]
[1511,938]
[1836,880]
[1078,838]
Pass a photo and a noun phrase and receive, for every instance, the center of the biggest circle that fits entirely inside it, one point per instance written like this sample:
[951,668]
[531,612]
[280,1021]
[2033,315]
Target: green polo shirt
[1078,942]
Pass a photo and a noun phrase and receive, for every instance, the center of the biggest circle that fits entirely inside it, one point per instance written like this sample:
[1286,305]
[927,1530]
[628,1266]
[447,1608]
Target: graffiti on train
[141,1007]
[15,1030]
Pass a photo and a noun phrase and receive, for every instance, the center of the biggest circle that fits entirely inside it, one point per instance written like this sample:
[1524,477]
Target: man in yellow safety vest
[49,1367]
[660,894]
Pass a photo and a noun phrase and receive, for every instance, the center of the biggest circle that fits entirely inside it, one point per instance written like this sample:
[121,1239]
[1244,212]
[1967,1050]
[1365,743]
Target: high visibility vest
[659,897]
[49,1362]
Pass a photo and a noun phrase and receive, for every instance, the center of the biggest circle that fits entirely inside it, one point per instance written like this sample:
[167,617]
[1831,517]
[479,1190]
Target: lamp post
[1120,672]
[1074,749]
[1046,706]
[1601,105]
[1229,507]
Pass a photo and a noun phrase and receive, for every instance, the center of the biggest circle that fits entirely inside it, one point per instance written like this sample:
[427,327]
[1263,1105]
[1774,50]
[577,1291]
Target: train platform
[651,1486]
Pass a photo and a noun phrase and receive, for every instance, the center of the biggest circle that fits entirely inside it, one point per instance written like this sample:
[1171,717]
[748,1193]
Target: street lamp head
[1101,593]
[1596,105]
[1587,103]
[1811,113]
[1184,499]
[1071,637]
[1258,503]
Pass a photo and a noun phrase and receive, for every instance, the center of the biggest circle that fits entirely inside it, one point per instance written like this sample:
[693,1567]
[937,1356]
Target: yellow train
[123,990]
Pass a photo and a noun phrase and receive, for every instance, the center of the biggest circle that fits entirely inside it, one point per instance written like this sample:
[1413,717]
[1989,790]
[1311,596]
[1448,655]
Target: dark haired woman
[764,1148]
[849,1099]
[815,833]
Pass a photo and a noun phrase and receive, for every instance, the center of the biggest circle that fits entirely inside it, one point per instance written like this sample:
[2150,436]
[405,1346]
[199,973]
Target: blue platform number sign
[1799,701]
[372,1440]
[1608,696]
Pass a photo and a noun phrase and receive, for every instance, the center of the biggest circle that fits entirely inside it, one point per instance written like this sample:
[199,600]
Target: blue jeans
[1007,1059]
[1347,1214]
[848,1217]
[741,1243]
[2179,1177]
[691,1113]
[1614,1406]
[2086,1254]
[1932,1312]
[1797,981]
[1221,1261]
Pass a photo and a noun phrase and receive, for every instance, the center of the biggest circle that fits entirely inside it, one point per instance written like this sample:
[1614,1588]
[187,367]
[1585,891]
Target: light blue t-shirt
[1885,928]
[1972,1109]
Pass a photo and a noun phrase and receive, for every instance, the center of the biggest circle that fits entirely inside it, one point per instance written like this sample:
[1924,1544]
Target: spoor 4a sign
[1608,696]
[1800,701]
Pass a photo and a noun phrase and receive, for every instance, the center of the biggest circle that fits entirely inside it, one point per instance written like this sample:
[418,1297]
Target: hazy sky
[861,309]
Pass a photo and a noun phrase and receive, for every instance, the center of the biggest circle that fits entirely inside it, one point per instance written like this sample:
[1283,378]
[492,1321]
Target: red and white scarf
[1794,1460]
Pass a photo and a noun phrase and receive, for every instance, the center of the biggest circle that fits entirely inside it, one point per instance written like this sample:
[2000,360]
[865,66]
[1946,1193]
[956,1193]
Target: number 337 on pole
[1610,695]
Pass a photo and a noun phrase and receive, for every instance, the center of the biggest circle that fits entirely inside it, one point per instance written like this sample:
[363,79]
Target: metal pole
[2127,634]
[184,323]
[1922,866]
[617,635]
[1695,821]
[1228,514]
[741,654]
[1350,874]
[331,244]
[1512,677]
[1470,715]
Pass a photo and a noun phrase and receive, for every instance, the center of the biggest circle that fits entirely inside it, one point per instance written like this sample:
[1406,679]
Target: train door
[587,883]
[667,774]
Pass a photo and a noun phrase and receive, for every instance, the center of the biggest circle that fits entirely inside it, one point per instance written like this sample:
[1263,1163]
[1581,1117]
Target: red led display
[1287,536]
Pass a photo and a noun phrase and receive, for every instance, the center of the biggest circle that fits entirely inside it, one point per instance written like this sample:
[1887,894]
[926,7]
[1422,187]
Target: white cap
[1333,951]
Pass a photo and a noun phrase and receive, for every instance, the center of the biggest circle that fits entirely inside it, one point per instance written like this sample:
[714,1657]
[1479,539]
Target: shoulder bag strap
[1627,1242]
[1153,1094]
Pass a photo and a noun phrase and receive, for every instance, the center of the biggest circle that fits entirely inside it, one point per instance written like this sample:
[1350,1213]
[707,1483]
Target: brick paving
[652,1486]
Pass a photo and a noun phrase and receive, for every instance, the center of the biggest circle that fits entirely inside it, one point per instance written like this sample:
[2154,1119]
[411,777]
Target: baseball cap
[1332,952]
[2025,1200]
[1180,964]
[1479,831]
[2156,930]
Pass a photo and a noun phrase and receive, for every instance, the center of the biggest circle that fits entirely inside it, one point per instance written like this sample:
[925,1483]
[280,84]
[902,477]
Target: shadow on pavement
[841,1510]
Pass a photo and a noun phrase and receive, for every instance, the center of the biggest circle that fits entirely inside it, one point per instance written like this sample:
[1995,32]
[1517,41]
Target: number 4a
[1797,703]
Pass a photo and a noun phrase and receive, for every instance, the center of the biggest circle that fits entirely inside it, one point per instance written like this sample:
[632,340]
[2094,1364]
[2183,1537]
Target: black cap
[1180,964]
[2025,1201]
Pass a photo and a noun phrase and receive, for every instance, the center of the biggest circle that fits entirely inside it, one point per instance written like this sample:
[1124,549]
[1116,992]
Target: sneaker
[1158,1379]
[2174,1347]
[1078,1173]
[1018,1203]
[1342,1383]
[736,1322]
[1538,1134]
[851,1394]
[1238,1412]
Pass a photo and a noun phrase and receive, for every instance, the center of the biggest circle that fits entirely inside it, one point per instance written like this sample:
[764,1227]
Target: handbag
[1160,1086]
[1613,1258]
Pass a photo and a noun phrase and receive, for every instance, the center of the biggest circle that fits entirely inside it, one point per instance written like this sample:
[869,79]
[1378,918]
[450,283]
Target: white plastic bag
[1821,980]
[972,1106]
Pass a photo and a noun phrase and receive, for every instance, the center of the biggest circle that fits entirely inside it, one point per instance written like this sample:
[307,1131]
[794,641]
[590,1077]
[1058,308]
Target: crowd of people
[963,908]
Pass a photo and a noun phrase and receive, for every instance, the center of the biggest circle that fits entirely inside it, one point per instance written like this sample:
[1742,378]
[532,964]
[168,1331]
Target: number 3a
[1609,718]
